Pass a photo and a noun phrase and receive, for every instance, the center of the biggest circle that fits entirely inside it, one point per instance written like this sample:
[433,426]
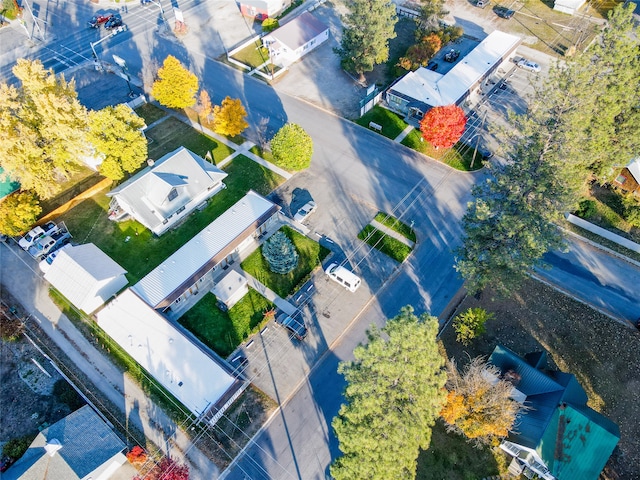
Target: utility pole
[97,61]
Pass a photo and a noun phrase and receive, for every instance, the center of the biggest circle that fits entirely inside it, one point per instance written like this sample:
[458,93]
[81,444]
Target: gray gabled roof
[85,441]
[299,31]
[147,192]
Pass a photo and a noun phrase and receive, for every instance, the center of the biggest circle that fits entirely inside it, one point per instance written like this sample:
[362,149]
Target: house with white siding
[295,39]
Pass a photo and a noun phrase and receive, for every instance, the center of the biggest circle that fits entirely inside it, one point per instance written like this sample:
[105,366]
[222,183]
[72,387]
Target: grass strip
[383,242]
[396,225]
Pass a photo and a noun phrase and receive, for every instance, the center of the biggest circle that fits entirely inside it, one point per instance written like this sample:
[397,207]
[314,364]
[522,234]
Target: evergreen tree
[280,253]
[43,129]
[431,13]
[18,212]
[394,394]
[115,134]
[477,406]
[176,87]
[368,27]
[292,147]
[229,118]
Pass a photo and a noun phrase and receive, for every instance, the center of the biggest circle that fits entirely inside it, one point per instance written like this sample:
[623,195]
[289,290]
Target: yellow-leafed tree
[479,404]
[229,117]
[176,87]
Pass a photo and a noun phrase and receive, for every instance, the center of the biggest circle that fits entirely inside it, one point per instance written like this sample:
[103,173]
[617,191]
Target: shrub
[586,209]
[471,324]
[67,394]
[631,210]
[16,447]
[270,24]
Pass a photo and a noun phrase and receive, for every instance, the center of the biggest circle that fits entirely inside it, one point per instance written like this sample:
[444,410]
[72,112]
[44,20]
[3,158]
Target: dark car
[114,22]
[5,463]
[294,323]
[98,20]
[432,66]
[503,12]
[451,56]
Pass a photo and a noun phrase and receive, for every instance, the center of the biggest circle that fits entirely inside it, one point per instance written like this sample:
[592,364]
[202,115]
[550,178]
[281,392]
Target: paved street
[354,173]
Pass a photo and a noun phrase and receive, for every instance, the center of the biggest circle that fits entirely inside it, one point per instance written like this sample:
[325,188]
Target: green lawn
[172,133]
[224,331]
[457,157]
[253,55]
[142,252]
[392,124]
[396,225]
[310,255]
[386,244]
[451,457]
[150,113]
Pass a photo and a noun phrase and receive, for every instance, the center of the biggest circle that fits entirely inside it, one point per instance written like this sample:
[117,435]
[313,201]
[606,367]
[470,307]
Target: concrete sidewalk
[21,277]
[267,293]
[392,233]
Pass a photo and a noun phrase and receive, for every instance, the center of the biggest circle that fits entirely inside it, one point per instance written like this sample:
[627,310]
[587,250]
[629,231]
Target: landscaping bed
[603,355]
[388,245]
[310,255]
[224,331]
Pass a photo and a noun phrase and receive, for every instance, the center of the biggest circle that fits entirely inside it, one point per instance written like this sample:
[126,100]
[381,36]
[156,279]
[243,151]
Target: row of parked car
[43,242]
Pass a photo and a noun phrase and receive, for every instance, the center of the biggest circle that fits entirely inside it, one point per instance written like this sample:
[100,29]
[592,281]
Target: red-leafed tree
[443,126]
[167,469]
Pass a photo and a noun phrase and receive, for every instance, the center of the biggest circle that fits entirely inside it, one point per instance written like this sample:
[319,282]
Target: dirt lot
[27,398]
[602,353]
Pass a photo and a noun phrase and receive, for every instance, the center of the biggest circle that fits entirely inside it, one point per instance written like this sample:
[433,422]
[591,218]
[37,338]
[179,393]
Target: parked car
[114,22]
[528,65]
[47,244]
[45,264]
[451,56]
[432,66]
[503,12]
[98,20]
[294,323]
[5,463]
[482,3]
[344,277]
[35,233]
[303,212]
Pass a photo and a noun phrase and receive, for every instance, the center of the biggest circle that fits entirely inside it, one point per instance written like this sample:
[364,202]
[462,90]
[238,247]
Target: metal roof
[197,252]
[86,276]
[298,32]
[193,376]
[436,89]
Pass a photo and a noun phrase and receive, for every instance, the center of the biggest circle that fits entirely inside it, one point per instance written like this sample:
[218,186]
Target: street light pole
[93,44]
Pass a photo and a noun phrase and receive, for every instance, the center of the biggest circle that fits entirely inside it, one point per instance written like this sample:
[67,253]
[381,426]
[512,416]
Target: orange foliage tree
[443,126]
[137,455]
[476,407]
[418,55]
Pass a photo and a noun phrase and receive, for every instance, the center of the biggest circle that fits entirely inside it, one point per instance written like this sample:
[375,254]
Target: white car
[344,277]
[306,210]
[528,65]
[35,233]
[46,263]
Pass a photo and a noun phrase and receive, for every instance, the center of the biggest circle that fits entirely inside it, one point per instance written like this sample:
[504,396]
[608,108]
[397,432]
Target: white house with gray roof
[296,38]
[195,266]
[80,446]
[167,191]
[416,92]
[192,373]
[86,276]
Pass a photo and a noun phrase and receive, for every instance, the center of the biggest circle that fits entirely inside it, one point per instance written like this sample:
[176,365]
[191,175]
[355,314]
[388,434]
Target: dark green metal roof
[577,443]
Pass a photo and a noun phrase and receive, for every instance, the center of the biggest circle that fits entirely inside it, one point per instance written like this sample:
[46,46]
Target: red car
[98,20]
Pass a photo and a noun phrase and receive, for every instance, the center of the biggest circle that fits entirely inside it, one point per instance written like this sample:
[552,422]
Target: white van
[344,277]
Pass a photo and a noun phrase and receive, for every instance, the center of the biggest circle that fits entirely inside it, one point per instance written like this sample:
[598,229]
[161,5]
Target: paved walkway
[403,133]
[243,149]
[393,233]
[267,293]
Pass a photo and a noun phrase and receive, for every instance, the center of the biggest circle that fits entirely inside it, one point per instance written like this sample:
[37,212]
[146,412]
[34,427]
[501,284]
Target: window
[172,194]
